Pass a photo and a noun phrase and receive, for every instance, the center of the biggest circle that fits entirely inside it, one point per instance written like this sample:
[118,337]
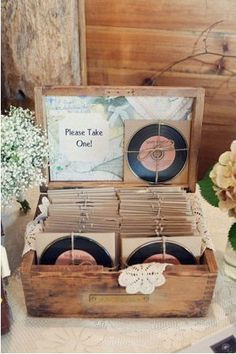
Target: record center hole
[157,155]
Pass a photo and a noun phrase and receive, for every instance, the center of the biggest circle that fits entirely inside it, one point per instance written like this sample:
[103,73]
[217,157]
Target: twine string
[72,248]
[164,247]
[160,147]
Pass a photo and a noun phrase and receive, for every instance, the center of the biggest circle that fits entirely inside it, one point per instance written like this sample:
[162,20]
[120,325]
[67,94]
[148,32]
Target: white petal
[133,288]
[147,288]
[123,279]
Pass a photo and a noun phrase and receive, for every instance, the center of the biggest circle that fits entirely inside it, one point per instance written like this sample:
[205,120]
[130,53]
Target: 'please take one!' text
[83,133]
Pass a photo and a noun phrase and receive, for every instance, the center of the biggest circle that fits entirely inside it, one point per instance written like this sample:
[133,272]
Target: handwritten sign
[84,137]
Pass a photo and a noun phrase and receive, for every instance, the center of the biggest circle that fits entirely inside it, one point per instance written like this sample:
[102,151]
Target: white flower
[223,173]
[23,155]
[223,176]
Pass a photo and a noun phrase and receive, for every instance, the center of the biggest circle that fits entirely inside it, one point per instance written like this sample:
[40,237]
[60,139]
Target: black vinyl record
[153,251]
[156,165]
[85,245]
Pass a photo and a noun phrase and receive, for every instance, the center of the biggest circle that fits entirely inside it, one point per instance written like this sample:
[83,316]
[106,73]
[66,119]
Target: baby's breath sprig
[24,152]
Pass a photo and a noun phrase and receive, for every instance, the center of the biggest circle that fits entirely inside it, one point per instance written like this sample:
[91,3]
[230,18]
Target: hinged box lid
[86,131]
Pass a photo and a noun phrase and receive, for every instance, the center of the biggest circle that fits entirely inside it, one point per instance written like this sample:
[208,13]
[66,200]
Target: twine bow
[160,147]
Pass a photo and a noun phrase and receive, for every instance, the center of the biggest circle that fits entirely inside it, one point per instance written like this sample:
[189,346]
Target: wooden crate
[71,291]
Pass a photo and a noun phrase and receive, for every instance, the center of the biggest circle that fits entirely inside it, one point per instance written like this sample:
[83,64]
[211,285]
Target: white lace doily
[200,222]
[143,278]
[35,226]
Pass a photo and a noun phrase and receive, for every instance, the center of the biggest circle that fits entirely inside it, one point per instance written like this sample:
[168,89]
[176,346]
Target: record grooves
[154,250]
[87,246]
[157,153]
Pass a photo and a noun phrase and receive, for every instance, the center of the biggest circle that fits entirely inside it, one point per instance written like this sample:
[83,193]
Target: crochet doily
[143,278]
[200,222]
[35,226]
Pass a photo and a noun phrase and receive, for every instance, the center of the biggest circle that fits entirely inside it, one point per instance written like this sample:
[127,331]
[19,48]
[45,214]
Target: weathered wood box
[75,291]
[67,291]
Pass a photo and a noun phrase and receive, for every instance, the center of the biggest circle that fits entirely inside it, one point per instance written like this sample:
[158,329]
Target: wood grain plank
[211,261]
[40,119]
[213,83]
[27,261]
[172,14]
[39,115]
[215,140]
[155,50]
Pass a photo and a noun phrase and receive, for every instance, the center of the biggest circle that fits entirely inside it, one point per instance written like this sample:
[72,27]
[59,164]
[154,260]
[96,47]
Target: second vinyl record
[154,252]
[84,250]
[157,153]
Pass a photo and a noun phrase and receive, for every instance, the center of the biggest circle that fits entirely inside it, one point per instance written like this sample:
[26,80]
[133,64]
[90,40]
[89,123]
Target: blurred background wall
[39,46]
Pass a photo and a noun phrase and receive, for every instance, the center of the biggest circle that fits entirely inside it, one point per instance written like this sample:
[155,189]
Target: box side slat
[98,184]
[195,138]
[27,261]
[29,265]
[25,271]
[99,295]
[40,117]
[119,90]
[209,259]
[77,271]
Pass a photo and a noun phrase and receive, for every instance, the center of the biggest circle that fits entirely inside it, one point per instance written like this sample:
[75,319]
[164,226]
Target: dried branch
[219,65]
[214,65]
[204,35]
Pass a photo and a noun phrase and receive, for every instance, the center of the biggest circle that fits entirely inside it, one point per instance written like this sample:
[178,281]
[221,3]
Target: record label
[157,153]
[162,258]
[75,257]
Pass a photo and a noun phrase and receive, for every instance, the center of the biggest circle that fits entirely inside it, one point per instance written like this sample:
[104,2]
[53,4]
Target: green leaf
[232,236]
[99,100]
[207,191]
[118,101]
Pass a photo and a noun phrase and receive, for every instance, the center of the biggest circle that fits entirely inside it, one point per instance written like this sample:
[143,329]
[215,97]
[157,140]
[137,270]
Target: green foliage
[114,101]
[118,101]
[232,236]
[207,191]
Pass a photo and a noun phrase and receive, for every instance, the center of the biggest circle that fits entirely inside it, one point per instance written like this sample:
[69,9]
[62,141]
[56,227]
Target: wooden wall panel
[126,49]
[132,42]
[184,15]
